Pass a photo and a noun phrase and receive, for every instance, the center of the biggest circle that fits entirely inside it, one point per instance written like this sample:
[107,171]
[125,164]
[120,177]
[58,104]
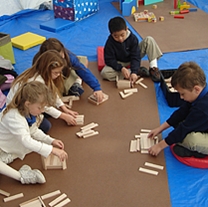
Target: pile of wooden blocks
[92,99]
[128,92]
[142,143]
[87,131]
[68,100]
[150,171]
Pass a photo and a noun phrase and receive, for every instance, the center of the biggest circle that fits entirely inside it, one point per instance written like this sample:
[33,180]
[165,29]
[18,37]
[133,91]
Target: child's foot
[76,90]
[29,176]
[155,74]
[184,152]
[143,72]
[6,157]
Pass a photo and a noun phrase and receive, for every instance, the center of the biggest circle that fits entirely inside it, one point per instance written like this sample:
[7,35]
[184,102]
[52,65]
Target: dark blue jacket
[128,51]
[190,117]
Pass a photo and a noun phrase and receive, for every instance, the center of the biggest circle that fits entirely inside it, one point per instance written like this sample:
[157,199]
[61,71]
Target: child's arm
[158,130]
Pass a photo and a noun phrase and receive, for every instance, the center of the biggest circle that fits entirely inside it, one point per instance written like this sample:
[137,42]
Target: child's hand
[60,153]
[58,143]
[99,95]
[133,78]
[72,113]
[125,72]
[69,119]
[153,133]
[156,149]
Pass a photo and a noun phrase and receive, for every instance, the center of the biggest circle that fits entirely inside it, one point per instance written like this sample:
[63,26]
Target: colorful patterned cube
[75,10]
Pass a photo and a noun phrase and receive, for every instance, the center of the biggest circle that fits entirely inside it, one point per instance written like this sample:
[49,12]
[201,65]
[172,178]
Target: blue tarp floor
[187,185]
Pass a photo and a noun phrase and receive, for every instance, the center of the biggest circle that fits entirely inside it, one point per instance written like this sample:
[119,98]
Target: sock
[153,63]
[78,80]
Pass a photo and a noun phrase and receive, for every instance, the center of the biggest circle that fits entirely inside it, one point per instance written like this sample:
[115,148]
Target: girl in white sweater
[19,133]
[48,70]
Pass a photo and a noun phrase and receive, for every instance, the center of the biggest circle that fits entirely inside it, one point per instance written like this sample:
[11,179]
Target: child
[73,71]
[48,70]
[190,120]
[19,133]
[122,50]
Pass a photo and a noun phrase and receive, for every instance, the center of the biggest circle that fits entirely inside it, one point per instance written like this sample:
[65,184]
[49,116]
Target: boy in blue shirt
[190,121]
[122,49]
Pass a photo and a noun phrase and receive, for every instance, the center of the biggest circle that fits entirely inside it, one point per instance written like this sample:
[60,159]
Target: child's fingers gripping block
[100,57]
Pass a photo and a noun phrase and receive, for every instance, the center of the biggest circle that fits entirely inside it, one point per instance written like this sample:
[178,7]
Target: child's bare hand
[133,78]
[58,143]
[153,133]
[72,113]
[69,119]
[155,150]
[125,72]
[99,95]
[60,153]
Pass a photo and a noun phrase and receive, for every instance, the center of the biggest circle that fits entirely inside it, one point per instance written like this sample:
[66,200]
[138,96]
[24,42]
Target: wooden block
[142,84]
[133,90]
[10,198]
[178,16]
[48,195]
[93,99]
[92,134]
[125,95]
[57,200]
[146,142]
[138,144]
[133,146]
[2,192]
[35,202]
[79,119]
[63,203]
[86,132]
[89,126]
[153,172]
[53,162]
[148,164]
[121,84]
[144,151]
[145,130]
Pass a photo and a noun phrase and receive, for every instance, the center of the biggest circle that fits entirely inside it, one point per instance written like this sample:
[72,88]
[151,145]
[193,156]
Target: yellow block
[27,40]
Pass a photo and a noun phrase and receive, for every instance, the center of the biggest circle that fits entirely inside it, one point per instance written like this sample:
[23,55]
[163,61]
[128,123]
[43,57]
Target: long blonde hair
[43,66]
[34,92]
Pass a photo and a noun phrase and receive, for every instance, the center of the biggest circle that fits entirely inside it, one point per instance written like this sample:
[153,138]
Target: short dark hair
[116,24]
[188,75]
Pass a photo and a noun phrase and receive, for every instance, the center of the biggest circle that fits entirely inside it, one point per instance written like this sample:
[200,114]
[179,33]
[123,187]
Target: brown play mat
[101,170]
[173,35]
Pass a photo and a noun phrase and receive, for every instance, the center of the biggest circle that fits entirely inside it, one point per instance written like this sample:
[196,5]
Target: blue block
[57,25]
[192,9]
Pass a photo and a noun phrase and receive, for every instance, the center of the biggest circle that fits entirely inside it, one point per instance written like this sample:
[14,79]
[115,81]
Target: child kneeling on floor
[19,133]
[190,121]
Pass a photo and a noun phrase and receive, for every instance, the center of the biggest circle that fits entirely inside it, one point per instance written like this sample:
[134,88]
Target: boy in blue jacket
[122,50]
[190,121]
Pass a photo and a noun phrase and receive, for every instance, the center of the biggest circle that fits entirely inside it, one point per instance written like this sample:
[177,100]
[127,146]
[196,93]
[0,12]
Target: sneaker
[6,157]
[155,74]
[143,72]
[184,152]
[76,90]
[29,176]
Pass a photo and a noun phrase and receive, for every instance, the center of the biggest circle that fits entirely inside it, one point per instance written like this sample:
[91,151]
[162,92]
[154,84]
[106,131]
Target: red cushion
[191,161]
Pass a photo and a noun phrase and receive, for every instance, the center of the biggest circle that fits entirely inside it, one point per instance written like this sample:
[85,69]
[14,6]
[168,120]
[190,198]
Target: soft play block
[56,25]
[6,49]
[100,57]
[27,40]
